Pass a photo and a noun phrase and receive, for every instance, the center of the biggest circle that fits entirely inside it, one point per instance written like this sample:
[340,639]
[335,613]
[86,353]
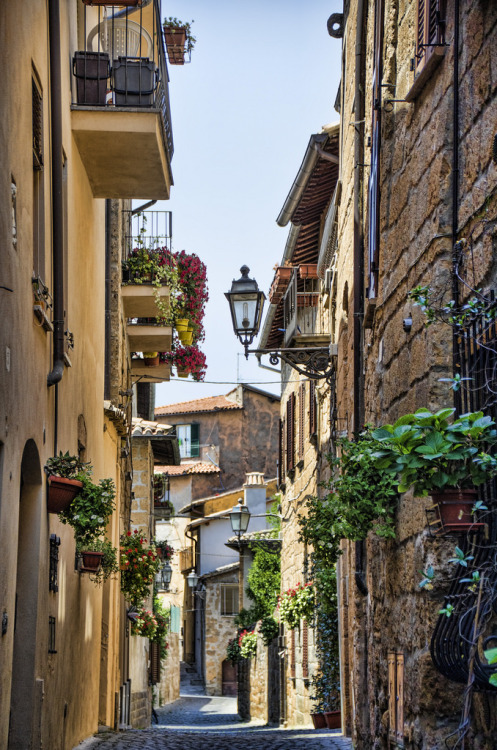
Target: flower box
[333,719]
[91,561]
[280,283]
[308,271]
[175,44]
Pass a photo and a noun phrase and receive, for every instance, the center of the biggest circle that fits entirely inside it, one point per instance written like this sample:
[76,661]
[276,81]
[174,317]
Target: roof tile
[211,403]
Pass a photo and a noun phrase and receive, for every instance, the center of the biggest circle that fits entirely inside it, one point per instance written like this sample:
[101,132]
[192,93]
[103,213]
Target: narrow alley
[198,721]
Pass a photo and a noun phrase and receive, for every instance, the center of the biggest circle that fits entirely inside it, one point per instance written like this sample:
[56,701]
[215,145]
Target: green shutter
[195,442]
[175,619]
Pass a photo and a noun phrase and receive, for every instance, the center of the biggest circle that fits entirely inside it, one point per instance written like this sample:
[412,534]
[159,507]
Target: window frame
[233,587]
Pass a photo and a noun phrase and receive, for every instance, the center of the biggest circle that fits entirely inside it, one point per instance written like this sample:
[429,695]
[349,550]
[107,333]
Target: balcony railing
[150,229]
[185,559]
[123,69]
[301,309]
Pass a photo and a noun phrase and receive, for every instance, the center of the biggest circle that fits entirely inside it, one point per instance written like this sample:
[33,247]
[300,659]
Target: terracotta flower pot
[175,43]
[152,361]
[61,493]
[187,338]
[91,561]
[319,721]
[308,271]
[333,719]
[454,508]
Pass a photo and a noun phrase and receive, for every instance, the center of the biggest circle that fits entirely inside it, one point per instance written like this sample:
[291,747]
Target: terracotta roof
[211,403]
[221,571]
[184,469]
[144,428]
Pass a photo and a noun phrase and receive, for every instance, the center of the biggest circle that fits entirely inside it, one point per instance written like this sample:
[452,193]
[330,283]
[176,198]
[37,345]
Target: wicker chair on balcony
[120,38]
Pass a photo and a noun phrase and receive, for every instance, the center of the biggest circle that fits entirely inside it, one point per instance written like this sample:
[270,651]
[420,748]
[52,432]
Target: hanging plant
[233,651]
[139,564]
[144,623]
[248,644]
[296,604]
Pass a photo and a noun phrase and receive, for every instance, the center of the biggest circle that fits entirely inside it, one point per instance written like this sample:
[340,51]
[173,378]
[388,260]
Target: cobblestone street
[206,723]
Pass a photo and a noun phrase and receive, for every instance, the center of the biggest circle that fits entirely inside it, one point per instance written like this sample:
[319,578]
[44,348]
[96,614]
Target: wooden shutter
[430,27]
[305,650]
[154,662]
[396,698]
[281,453]
[313,421]
[290,433]
[194,441]
[292,653]
[374,176]
[301,420]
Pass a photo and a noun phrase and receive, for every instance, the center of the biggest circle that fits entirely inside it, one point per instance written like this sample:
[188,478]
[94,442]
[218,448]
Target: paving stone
[216,720]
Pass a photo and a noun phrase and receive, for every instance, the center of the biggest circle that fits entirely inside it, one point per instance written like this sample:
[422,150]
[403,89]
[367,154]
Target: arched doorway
[24,709]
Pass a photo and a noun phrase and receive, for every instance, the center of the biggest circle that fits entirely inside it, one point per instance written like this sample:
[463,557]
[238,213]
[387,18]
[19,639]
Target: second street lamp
[239,517]
[246,305]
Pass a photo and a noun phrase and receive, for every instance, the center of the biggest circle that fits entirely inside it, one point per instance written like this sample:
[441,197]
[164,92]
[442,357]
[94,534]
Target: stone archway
[24,706]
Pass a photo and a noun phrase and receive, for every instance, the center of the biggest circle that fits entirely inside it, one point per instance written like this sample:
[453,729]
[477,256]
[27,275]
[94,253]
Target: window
[281,453]
[188,439]
[290,433]
[430,28]
[301,420]
[229,599]
[313,411]
[38,180]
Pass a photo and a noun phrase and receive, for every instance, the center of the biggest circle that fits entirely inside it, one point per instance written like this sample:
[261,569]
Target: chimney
[254,491]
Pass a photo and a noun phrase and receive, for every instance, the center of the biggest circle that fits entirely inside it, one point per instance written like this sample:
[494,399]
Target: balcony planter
[135,81]
[175,44]
[308,271]
[181,325]
[91,70]
[151,359]
[182,373]
[319,721]
[91,561]
[307,300]
[280,283]
[61,493]
[333,719]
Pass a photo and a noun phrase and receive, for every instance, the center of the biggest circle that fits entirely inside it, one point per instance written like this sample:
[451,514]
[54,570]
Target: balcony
[148,336]
[302,318]
[120,115]
[140,371]
[186,559]
[140,300]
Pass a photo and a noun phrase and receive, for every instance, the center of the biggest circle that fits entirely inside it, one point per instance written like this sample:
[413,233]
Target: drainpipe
[57,207]
[108,330]
[455,196]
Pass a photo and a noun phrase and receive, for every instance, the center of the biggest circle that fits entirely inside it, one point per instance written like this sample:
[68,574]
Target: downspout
[108,330]
[455,197]
[57,205]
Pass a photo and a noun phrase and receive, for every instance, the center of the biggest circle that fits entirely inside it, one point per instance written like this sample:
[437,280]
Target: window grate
[37,114]
[53,582]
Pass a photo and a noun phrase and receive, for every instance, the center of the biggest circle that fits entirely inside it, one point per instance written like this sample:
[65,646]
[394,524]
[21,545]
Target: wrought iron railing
[150,229]
[301,308]
[455,643]
[123,63]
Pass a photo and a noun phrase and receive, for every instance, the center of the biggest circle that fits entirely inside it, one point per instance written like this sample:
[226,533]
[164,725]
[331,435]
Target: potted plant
[282,277]
[99,558]
[308,271]
[179,40]
[436,457]
[151,359]
[91,509]
[296,604]
[248,644]
[65,474]
[233,652]
[139,563]
[164,550]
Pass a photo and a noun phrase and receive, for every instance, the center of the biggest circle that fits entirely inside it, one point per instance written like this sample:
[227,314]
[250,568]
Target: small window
[229,599]
[188,439]
[430,28]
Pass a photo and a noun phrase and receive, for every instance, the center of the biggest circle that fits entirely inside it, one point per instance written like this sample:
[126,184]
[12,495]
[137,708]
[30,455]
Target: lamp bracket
[315,363]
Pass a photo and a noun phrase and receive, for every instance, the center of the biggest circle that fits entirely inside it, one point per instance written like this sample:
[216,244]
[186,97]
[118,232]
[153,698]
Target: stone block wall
[169,687]
[258,685]
[401,370]
[219,629]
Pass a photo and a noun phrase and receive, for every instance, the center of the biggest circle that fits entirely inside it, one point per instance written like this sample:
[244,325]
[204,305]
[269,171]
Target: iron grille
[453,644]
[37,114]
[53,583]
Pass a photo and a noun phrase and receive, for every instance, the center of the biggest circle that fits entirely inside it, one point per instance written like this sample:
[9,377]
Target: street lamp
[192,579]
[163,576]
[246,305]
[239,517]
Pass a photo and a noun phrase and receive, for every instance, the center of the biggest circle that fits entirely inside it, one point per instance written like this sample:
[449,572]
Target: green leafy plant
[144,623]
[491,657]
[428,453]
[326,681]
[109,564]
[461,558]
[67,466]
[233,651]
[139,564]
[165,550]
[248,644]
[428,577]
[447,610]
[163,621]
[90,511]
[296,604]
[268,628]
[263,586]
[172,24]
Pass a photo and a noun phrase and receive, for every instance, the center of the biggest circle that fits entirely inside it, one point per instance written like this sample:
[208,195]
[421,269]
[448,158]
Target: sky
[263,78]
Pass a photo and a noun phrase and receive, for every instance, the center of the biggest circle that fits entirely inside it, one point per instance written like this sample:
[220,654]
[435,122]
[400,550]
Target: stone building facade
[66,379]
